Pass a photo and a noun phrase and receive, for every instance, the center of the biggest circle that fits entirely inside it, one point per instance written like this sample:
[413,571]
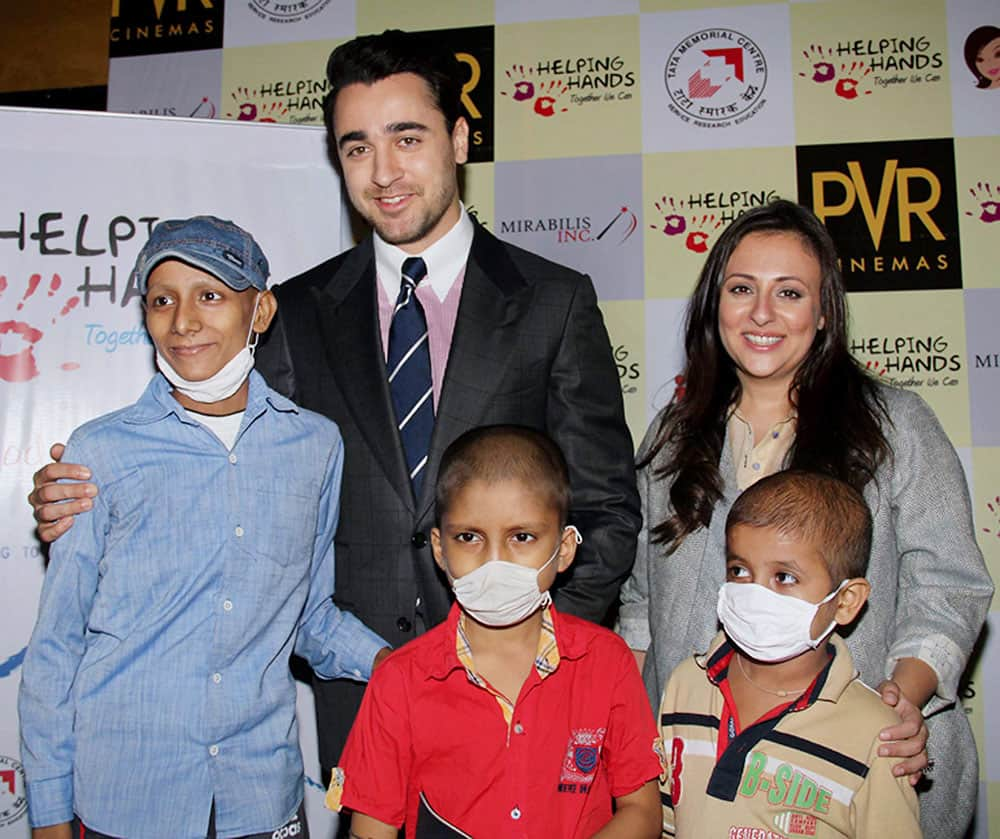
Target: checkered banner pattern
[620,136]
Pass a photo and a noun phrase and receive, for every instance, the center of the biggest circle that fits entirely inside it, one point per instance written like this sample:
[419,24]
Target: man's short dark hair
[809,505]
[494,453]
[370,58]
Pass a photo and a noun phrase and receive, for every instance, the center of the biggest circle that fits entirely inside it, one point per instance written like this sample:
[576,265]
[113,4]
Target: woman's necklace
[779,693]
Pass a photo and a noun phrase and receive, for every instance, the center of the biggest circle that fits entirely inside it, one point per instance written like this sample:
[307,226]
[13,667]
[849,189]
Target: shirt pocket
[282,520]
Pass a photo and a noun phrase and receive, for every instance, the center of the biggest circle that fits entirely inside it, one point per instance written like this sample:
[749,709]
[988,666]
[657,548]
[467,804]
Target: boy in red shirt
[509,719]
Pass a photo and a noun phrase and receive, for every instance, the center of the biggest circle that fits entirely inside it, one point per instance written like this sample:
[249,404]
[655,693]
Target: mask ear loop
[833,624]
[576,533]
[253,337]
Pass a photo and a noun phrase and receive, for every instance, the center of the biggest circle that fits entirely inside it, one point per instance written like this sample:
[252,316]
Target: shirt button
[515,814]
[404,624]
[227,605]
[217,677]
[518,728]
[418,540]
[232,458]
[238,531]
[756,467]
[213,750]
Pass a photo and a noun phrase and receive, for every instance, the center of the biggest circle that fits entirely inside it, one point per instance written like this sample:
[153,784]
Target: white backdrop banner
[79,195]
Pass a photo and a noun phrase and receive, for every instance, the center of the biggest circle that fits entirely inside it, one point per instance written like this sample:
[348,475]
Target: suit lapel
[355,355]
[494,295]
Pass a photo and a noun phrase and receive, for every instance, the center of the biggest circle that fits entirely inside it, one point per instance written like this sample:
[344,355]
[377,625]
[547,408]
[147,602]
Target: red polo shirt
[578,736]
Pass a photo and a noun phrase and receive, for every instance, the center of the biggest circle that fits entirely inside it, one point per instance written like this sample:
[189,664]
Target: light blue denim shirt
[157,676]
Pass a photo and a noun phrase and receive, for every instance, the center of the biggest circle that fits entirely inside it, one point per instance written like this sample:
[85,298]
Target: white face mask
[769,626]
[500,593]
[226,381]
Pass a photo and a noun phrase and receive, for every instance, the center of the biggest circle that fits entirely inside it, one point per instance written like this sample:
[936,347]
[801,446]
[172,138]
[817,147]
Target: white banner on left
[80,192]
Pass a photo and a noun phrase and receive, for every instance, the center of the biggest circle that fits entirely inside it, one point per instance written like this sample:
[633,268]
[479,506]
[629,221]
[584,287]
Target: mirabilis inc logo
[716,78]
[612,227]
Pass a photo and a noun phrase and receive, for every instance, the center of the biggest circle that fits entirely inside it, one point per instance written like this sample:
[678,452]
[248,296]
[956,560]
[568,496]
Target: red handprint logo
[994,508]
[823,69]
[18,338]
[851,80]
[702,229]
[544,95]
[875,368]
[248,110]
[988,198]
[674,222]
[699,230]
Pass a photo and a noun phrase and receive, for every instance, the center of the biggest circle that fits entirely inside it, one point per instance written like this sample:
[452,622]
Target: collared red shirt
[157,676]
[430,738]
[439,292]
[546,660]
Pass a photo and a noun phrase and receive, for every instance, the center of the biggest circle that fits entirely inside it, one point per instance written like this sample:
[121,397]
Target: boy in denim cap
[156,698]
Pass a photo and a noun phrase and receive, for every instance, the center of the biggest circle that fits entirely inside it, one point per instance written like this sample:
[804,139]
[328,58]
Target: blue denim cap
[221,248]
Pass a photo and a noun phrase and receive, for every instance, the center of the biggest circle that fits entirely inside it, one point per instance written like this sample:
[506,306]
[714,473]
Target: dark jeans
[295,828]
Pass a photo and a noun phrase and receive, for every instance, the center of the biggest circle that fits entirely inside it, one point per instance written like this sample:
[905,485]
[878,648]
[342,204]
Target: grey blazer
[930,590]
[529,348]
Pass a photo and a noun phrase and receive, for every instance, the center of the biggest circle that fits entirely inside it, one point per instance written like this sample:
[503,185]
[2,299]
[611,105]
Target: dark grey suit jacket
[529,348]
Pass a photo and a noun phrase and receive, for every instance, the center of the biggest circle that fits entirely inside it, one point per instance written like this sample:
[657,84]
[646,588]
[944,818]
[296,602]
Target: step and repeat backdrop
[620,137]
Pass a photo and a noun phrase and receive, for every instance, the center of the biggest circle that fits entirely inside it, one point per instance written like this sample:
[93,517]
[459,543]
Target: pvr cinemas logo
[141,27]
[891,209]
[473,47]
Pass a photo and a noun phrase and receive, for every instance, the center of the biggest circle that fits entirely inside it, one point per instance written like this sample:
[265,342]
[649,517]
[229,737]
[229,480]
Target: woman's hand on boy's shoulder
[54,504]
[907,739]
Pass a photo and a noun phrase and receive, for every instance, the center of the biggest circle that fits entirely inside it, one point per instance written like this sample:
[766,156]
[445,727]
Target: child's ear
[267,306]
[436,548]
[567,547]
[851,599]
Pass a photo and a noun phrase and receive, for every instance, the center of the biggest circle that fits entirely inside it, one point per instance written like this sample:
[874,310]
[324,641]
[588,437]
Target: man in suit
[510,338]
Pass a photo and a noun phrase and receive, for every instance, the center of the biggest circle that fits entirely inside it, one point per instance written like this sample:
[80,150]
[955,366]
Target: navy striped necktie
[409,366]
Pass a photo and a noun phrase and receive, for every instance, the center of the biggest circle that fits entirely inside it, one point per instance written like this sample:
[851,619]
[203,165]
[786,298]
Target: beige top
[756,461]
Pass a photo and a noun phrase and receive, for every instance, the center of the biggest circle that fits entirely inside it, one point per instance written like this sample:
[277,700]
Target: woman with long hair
[770,384]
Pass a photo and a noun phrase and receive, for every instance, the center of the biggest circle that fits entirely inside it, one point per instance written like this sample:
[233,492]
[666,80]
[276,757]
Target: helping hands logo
[987,199]
[252,107]
[543,96]
[18,338]
[697,230]
[847,81]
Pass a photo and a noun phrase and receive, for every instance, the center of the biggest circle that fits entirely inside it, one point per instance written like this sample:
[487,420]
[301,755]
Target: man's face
[398,159]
